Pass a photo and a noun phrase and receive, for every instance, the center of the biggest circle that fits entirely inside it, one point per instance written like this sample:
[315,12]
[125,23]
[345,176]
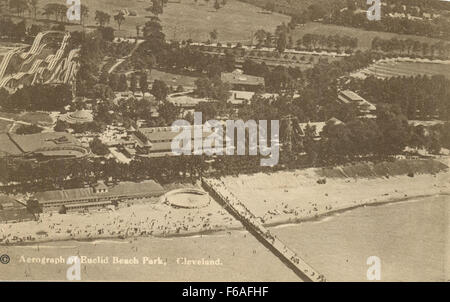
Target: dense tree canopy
[39,97]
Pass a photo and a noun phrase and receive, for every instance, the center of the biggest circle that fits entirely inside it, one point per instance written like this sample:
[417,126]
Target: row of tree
[411,47]
[282,39]
[327,42]
[353,13]
[77,172]
[59,12]
[21,6]
[56,10]
[438,28]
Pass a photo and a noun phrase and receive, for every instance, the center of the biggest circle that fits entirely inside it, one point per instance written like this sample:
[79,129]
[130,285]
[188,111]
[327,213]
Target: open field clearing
[28,117]
[172,79]
[234,22]
[365,37]
[35,117]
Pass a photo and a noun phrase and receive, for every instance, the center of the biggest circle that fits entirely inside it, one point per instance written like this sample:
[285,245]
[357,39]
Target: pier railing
[254,225]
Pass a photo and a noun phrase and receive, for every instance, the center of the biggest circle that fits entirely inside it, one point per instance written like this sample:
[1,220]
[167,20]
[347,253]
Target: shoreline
[289,221]
[334,212]
[279,198]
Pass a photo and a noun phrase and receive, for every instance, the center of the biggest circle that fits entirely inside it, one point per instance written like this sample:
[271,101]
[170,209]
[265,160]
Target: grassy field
[172,79]
[365,37]
[35,117]
[184,20]
[28,117]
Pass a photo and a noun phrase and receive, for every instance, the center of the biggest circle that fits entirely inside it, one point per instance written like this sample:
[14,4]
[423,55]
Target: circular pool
[187,198]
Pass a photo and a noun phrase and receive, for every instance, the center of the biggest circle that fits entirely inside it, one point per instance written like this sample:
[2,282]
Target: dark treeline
[419,97]
[38,176]
[386,135]
[351,139]
[389,24]
[92,81]
[44,97]
[21,32]
[423,5]
[156,52]
[15,31]
[316,86]
[93,49]
[327,42]
[353,13]
[182,58]
[412,47]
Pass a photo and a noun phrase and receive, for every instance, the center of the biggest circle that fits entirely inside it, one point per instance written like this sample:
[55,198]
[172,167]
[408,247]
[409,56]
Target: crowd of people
[138,220]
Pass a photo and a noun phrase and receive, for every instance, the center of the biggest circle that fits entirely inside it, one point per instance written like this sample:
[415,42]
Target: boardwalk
[254,225]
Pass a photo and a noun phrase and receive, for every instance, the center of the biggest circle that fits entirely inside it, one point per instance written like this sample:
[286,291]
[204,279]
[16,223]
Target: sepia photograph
[225,141]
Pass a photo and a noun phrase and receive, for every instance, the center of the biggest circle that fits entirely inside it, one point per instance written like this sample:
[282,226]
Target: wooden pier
[253,224]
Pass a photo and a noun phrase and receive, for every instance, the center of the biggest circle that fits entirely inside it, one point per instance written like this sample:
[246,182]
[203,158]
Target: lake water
[411,239]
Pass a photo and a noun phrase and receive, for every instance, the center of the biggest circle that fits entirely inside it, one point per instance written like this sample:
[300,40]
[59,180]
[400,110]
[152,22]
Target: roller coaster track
[64,69]
[7,59]
[52,60]
[70,72]
[36,48]
[72,54]
[56,74]
[54,68]
[49,59]
[60,52]
[30,59]
[36,43]
[71,65]
[20,75]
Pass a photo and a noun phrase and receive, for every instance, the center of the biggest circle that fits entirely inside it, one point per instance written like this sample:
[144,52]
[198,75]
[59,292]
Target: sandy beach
[278,198]
[150,218]
[291,197]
